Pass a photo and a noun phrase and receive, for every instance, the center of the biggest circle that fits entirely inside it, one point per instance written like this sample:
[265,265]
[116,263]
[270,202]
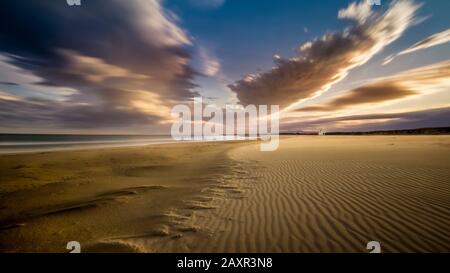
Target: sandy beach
[314,194]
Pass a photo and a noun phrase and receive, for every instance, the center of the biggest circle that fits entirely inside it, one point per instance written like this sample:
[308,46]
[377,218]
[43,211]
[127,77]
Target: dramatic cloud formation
[433,40]
[327,60]
[126,63]
[119,66]
[424,80]
[405,120]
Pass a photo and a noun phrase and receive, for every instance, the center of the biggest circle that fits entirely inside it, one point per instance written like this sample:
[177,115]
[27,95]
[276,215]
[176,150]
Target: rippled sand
[314,194]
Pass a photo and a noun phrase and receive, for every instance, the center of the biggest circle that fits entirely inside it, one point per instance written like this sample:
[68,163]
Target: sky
[118,67]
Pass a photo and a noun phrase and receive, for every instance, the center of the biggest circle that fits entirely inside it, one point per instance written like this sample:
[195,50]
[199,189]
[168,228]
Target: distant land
[417,131]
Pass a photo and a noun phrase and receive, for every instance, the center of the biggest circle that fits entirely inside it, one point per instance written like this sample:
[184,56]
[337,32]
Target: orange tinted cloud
[424,80]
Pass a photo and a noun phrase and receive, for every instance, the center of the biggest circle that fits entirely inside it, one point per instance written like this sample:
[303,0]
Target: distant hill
[301,133]
[418,131]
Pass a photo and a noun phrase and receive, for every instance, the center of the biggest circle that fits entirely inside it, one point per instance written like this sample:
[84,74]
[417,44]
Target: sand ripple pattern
[298,205]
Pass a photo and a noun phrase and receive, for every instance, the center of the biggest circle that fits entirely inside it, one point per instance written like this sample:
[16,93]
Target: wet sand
[314,194]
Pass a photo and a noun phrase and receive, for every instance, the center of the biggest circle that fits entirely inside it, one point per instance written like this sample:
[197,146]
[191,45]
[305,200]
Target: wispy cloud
[327,60]
[433,40]
[210,64]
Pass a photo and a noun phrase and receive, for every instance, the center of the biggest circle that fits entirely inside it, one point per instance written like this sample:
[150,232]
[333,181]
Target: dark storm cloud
[127,60]
[327,60]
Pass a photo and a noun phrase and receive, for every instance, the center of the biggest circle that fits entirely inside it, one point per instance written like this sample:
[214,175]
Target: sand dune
[315,194]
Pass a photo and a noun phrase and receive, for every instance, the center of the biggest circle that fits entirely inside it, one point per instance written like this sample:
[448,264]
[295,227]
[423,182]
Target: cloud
[48,114]
[439,117]
[95,70]
[433,40]
[127,62]
[366,94]
[419,81]
[361,12]
[13,75]
[18,80]
[4,96]
[210,64]
[327,60]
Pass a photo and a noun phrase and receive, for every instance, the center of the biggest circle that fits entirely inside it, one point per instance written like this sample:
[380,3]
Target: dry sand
[314,194]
